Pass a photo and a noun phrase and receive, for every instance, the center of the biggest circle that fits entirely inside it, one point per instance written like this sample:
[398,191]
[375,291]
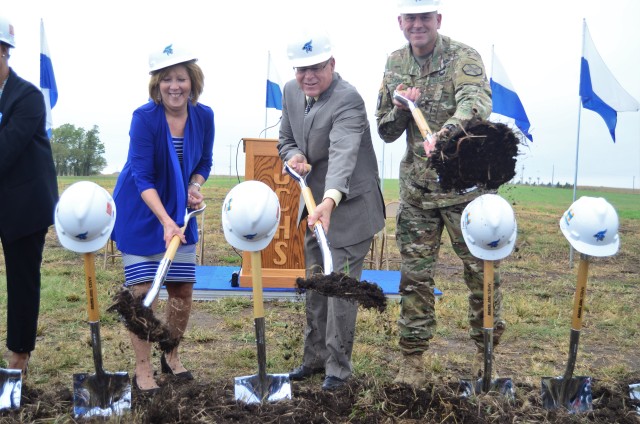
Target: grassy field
[538,286]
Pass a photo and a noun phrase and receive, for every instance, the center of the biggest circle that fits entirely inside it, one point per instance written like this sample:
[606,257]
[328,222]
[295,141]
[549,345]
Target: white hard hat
[169,55]
[84,217]
[250,216]
[489,227]
[591,226]
[407,7]
[309,47]
[7,35]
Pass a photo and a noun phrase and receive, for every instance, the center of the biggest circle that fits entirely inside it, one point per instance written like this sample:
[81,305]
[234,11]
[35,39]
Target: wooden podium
[283,258]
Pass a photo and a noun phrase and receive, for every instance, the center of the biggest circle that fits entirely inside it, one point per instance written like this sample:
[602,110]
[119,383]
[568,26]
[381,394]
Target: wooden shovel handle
[256,278]
[581,294]
[311,204]
[173,246]
[487,320]
[92,289]
[423,126]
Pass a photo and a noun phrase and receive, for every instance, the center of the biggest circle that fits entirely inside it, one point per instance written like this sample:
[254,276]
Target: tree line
[76,151]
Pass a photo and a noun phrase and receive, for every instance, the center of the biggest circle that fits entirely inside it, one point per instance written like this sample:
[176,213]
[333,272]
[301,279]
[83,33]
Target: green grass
[547,199]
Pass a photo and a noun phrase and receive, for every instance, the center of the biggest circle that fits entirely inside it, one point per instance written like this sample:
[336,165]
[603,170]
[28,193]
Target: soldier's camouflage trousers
[418,236]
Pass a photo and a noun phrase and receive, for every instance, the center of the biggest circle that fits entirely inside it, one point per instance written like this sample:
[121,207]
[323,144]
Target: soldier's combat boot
[411,371]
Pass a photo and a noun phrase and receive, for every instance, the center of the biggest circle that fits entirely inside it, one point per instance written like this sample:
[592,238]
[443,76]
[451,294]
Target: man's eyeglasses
[313,69]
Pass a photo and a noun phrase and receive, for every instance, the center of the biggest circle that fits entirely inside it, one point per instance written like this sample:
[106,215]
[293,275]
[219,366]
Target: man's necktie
[310,103]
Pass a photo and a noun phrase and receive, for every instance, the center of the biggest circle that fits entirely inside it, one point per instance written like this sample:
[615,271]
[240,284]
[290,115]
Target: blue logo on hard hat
[168,50]
[600,235]
[307,46]
[568,216]
[250,236]
[82,236]
[493,244]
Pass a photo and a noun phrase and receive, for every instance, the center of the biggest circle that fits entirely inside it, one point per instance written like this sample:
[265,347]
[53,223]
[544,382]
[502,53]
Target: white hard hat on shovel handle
[591,226]
[250,219]
[489,229]
[84,217]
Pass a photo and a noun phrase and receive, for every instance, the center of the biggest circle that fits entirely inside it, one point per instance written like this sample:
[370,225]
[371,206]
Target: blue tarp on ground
[216,281]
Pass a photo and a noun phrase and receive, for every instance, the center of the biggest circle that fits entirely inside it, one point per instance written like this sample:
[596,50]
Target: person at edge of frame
[28,193]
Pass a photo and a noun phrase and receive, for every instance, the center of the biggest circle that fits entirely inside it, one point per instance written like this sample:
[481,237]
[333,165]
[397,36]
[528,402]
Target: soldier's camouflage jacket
[454,87]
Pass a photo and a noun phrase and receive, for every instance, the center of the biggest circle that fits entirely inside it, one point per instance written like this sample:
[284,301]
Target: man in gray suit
[325,125]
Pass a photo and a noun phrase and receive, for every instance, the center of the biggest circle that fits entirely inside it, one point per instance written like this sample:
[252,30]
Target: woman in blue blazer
[170,157]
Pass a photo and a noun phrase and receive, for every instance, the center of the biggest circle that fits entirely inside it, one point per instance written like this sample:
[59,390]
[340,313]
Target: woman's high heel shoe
[166,369]
[148,392]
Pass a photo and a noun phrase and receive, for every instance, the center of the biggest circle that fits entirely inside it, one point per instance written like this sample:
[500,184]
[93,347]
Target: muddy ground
[361,401]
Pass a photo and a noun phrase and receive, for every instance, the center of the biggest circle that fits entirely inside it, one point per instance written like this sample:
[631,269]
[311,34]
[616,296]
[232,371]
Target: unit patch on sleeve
[472,70]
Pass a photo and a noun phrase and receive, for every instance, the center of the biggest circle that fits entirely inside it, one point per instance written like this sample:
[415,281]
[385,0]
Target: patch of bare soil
[481,153]
[360,401]
[366,294]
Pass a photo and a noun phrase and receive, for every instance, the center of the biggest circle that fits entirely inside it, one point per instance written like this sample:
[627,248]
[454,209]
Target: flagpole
[575,175]
[266,109]
[492,60]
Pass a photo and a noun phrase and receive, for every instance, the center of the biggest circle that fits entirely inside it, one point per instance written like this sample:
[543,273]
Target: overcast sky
[100,54]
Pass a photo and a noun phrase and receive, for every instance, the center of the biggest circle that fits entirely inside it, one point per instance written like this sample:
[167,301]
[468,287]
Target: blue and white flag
[505,99]
[47,79]
[599,89]
[274,89]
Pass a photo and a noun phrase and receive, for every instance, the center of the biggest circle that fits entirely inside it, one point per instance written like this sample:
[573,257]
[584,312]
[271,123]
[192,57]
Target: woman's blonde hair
[195,74]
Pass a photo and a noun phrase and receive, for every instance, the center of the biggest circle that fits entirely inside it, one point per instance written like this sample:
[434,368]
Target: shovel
[428,143]
[321,237]
[103,393]
[262,386]
[10,388]
[165,264]
[504,386]
[371,295]
[574,393]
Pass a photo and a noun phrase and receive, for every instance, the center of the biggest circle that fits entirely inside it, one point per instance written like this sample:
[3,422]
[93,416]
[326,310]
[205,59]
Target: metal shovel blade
[101,395]
[502,386]
[253,389]
[574,394]
[634,393]
[11,388]
[260,387]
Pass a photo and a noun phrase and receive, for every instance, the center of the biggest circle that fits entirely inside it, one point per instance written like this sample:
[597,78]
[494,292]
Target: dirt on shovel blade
[141,321]
[368,295]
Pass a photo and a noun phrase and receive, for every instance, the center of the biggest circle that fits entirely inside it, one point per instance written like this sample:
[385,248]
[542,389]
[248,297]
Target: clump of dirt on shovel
[141,321]
[368,295]
[480,153]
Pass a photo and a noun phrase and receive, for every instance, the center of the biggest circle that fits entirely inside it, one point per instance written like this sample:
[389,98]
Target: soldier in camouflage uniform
[447,82]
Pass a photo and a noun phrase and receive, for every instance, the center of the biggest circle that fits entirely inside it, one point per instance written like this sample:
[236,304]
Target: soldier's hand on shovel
[404,98]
